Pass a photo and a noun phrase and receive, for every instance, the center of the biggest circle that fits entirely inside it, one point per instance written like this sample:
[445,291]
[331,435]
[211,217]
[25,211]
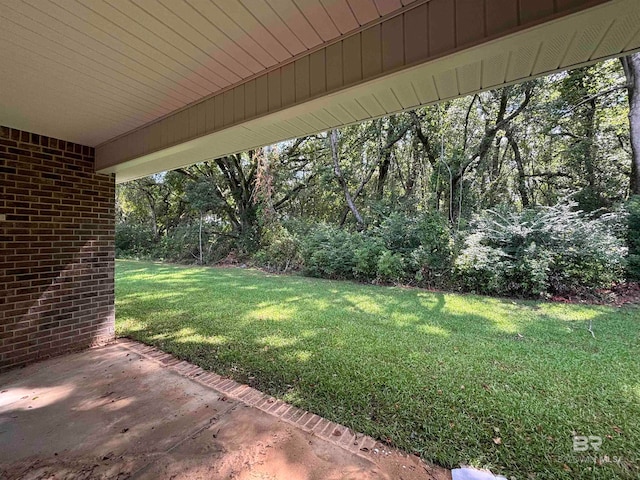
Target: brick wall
[56,248]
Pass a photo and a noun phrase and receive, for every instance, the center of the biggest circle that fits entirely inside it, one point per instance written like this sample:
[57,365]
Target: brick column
[57,222]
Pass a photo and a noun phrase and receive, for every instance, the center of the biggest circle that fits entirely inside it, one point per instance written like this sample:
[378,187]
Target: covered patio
[95,92]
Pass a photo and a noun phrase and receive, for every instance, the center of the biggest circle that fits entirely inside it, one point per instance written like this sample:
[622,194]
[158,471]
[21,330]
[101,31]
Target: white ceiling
[90,70]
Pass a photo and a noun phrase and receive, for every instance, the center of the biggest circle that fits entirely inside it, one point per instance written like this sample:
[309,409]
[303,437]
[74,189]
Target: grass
[456,378]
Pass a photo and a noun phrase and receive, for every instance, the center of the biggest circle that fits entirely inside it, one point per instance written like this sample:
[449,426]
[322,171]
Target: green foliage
[134,240]
[412,249]
[367,255]
[201,195]
[179,245]
[424,243]
[329,252]
[537,251]
[280,251]
[391,267]
[633,238]
[480,267]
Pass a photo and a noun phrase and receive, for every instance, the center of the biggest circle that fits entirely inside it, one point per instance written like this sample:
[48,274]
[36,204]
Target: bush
[218,248]
[547,250]
[528,273]
[135,241]
[366,257]
[633,238]
[479,267]
[179,244]
[424,244]
[280,251]
[330,252]
[409,249]
[391,267]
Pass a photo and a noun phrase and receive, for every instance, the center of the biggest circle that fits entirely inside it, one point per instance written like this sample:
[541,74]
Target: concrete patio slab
[130,411]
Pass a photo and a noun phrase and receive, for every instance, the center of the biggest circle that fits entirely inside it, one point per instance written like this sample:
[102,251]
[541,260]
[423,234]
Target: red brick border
[332,432]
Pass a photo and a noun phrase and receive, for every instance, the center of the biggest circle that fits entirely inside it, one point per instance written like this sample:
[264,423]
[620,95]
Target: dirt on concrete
[112,413]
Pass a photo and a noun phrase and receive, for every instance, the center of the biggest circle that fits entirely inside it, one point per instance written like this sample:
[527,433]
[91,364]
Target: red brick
[58,298]
[313,421]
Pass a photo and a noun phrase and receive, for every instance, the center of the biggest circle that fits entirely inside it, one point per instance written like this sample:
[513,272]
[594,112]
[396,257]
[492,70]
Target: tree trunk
[333,141]
[395,131]
[588,147]
[200,239]
[631,66]
[522,180]
[412,174]
[383,173]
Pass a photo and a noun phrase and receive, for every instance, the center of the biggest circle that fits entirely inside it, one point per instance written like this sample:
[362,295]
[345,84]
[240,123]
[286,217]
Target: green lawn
[459,379]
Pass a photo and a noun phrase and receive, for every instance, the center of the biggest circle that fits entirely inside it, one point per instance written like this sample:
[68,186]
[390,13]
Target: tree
[631,65]
[391,131]
[335,156]
[234,183]
[201,196]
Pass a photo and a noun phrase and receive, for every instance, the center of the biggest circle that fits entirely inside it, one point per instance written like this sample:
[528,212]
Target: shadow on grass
[443,375]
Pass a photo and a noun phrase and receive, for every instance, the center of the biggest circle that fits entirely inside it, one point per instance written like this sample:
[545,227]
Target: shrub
[330,252]
[366,257]
[528,273]
[553,249]
[179,244]
[133,240]
[411,249]
[219,247]
[424,244]
[390,267]
[479,267]
[280,250]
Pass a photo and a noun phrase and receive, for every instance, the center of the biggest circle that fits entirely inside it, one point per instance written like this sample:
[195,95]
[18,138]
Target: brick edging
[334,433]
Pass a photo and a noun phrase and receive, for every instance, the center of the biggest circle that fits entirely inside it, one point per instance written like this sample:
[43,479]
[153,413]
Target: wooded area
[530,189]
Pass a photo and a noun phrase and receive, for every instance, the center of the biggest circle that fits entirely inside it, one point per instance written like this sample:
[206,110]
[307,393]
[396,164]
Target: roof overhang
[365,59]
